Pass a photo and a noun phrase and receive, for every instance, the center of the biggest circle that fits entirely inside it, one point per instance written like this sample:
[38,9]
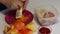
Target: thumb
[20,3]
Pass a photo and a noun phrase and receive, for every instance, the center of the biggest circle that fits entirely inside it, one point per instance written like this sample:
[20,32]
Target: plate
[10,16]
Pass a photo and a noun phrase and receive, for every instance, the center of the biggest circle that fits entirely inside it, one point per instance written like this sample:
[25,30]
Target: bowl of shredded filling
[46,15]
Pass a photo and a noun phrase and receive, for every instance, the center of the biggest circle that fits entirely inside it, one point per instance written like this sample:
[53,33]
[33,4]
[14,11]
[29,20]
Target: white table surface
[31,6]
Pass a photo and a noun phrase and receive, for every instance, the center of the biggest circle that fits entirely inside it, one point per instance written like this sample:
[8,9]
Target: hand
[15,4]
[25,3]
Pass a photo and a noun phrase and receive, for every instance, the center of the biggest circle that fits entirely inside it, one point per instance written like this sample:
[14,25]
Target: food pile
[22,25]
[20,28]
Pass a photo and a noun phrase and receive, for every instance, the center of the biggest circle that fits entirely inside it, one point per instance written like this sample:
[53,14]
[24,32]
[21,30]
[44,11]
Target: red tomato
[19,25]
[25,31]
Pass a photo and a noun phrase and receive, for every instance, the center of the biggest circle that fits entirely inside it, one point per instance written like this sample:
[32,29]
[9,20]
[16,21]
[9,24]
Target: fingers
[16,5]
[20,3]
[25,3]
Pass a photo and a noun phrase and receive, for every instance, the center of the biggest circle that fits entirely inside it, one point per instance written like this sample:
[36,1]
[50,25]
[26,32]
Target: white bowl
[47,21]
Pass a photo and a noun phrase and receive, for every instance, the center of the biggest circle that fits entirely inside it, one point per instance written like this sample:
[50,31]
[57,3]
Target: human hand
[15,4]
